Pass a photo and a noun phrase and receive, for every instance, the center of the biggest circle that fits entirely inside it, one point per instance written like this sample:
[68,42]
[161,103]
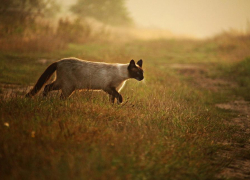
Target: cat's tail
[42,80]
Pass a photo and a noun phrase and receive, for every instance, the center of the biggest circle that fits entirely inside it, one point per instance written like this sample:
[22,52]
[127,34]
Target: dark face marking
[135,70]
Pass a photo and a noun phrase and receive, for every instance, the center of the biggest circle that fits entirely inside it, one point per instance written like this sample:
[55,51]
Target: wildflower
[6,124]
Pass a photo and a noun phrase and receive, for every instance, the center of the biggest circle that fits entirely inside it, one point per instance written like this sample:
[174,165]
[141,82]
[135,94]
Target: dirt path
[240,166]
[13,90]
[238,153]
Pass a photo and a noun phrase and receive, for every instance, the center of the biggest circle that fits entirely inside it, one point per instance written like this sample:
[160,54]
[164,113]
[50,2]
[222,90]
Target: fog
[195,18]
[198,18]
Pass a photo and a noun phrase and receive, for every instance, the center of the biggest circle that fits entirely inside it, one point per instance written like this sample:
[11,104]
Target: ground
[189,118]
[239,166]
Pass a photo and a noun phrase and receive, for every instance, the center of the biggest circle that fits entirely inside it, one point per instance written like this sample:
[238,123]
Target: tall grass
[51,36]
[159,133]
[166,129]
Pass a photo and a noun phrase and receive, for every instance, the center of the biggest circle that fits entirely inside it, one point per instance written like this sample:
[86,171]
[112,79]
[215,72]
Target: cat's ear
[131,64]
[139,63]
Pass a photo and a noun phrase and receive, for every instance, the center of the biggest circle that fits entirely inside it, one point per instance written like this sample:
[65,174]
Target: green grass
[166,129]
[152,136]
[236,72]
[240,73]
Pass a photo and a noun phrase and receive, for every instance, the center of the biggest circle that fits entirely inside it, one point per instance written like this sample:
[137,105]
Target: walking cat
[73,74]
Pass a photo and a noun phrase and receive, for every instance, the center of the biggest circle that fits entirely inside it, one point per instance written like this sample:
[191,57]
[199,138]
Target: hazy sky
[200,18]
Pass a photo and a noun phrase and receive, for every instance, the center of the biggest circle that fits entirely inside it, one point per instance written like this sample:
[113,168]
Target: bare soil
[238,153]
[13,90]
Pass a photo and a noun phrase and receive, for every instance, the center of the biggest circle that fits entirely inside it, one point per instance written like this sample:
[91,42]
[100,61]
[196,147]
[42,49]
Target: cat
[73,74]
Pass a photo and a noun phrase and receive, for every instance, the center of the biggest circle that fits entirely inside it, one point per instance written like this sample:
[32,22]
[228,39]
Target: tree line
[17,15]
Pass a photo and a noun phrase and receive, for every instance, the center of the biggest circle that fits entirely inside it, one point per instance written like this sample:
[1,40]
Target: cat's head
[135,70]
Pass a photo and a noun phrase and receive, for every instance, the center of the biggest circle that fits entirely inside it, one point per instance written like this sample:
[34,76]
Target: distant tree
[18,14]
[112,12]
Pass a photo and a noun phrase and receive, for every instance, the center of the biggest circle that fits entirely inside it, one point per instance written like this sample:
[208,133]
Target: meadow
[167,128]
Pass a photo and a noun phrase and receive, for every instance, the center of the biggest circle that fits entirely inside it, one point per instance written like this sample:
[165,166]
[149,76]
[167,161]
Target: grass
[83,138]
[166,129]
[240,73]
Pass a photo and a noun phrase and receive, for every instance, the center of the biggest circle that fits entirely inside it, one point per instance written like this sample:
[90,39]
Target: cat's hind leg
[67,91]
[50,87]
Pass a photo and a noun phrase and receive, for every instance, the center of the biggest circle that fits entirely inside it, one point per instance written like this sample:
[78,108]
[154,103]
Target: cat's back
[79,63]
[77,69]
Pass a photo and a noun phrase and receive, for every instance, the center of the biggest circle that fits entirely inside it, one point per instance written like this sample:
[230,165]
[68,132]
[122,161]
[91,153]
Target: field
[176,124]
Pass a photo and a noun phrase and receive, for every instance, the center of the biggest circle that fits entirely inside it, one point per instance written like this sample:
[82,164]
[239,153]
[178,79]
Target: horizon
[190,18]
[199,18]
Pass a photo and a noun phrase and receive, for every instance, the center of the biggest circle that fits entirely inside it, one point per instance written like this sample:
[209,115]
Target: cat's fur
[73,74]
